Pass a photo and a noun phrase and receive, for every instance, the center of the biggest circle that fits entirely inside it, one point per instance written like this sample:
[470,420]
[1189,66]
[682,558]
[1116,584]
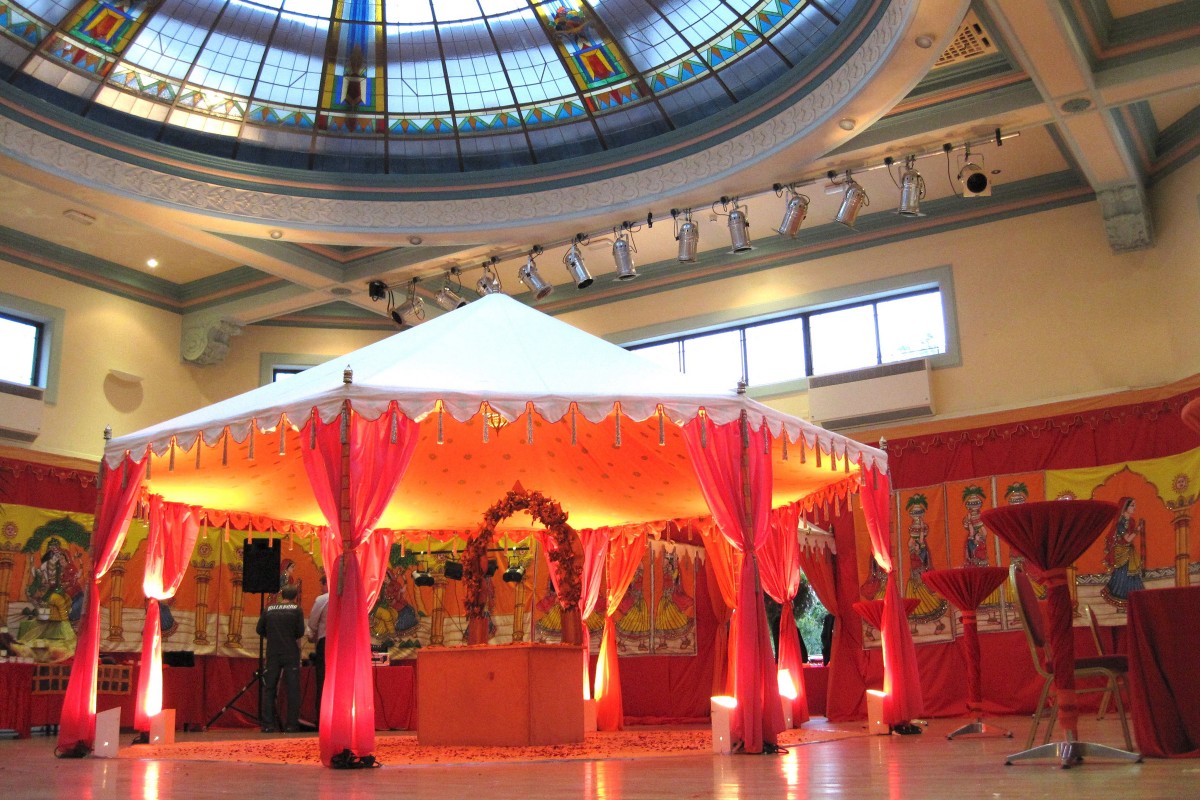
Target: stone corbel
[205,340]
[1127,220]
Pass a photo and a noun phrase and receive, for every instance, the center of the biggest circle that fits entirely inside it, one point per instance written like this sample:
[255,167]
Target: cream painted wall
[1045,309]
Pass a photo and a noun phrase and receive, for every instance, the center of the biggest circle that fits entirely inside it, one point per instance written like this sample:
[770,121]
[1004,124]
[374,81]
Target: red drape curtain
[173,528]
[724,567]
[379,455]
[901,680]
[779,562]
[717,454]
[817,562]
[595,545]
[621,562]
[118,496]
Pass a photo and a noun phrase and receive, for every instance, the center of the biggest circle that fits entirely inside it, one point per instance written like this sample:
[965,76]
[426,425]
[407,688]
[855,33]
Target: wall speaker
[260,566]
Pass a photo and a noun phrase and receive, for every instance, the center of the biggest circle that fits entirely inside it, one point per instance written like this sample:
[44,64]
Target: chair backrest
[1094,624]
[1032,620]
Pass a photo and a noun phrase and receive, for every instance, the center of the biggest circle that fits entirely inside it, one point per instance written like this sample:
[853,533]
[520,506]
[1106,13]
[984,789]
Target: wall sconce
[687,234]
[794,212]
[573,259]
[530,277]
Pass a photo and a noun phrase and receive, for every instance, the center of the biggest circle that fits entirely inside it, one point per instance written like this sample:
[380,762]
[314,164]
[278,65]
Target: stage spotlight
[912,190]
[409,313]
[453,570]
[490,282]
[448,299]
[622,252]
[513,574]
[573,259]
[687,234]
[853,200]
[739,225]
[794,213]
[974,181]
[532,280]
[422,578]
[492,566]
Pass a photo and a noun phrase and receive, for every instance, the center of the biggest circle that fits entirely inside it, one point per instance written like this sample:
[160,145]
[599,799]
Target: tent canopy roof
[606,438]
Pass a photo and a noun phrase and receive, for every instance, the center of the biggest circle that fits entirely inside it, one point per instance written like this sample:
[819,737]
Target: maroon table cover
[1164,672]
[15,706]
[1051,535]
[966,588]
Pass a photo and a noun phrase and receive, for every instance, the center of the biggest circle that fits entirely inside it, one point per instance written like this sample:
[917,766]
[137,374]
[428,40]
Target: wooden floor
[924,767]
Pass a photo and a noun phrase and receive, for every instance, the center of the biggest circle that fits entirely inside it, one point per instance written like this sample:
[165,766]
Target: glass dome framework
[404,86]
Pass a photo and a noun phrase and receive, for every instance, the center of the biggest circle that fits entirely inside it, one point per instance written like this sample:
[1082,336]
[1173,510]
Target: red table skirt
[198,693]
[1164,671]
[15,706]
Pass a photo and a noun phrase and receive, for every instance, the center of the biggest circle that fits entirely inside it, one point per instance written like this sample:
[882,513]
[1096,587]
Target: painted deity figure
[393,614]
[1124,555]
[976,546]
[672,619]
[930,606]
[633,624]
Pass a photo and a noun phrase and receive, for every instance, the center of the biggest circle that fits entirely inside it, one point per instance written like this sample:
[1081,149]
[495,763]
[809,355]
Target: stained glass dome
[412,86]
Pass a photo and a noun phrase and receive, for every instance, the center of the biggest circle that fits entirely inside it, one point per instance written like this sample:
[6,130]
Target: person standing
[282,625]
[316,635]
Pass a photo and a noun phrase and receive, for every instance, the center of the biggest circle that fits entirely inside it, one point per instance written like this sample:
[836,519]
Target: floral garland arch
[550,514]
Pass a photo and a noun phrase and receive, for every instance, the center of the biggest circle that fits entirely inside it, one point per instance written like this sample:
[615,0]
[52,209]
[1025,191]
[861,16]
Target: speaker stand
[256,678]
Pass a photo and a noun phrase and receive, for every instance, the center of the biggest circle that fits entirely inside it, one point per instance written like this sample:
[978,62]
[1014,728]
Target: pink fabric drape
[741,506]
[621,563]
[724,567]
[779,562]
[376,466]
[595,545]
[170,540]
[118,496]
[901,681]
[817,564]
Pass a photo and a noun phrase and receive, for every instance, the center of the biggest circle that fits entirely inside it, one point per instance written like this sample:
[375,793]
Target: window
[274,367]
[283,373]
[21,350]
[854,333]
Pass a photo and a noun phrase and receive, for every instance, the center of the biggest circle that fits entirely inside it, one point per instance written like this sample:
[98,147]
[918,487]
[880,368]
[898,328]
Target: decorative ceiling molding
[787,130]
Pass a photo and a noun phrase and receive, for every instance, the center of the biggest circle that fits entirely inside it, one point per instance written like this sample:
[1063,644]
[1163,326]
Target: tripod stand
[256,678]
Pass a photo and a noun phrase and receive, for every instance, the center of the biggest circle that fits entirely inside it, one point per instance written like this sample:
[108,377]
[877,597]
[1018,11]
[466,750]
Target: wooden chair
[1111,669]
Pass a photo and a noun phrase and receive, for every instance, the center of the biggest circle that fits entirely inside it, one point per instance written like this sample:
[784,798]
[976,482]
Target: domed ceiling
[412,86]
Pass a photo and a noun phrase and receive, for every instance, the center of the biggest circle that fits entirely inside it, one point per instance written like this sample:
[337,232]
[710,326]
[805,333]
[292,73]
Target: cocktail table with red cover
[1051,535]
[967,588]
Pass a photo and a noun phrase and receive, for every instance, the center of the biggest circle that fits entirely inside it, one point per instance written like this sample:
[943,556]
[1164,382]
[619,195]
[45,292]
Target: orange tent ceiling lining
[450,484]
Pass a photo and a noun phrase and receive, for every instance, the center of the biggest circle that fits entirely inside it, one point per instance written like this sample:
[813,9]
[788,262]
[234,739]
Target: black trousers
[319,673]
[290,671]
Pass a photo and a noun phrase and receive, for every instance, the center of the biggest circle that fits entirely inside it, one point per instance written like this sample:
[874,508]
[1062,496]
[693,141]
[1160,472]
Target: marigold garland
[550,514]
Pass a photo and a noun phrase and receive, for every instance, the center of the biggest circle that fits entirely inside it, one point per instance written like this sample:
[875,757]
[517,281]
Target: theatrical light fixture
[377,290]
[795,211]
[514,574]
[687,234]
[530,277]
[573,260]
[453,570]
[447,298]
[422,578]
[492,566]
[853,199]
[622,252]
[739,225]
[912,189]
[974,181]
[412,311]
[490,282]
